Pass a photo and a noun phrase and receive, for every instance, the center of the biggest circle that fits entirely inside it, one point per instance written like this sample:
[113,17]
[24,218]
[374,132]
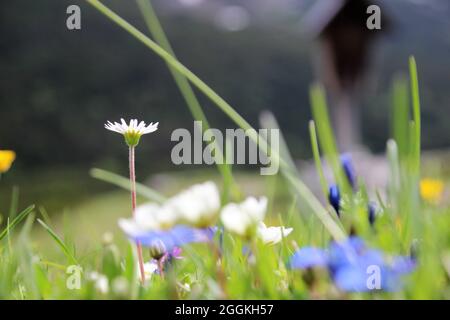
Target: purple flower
[176,253]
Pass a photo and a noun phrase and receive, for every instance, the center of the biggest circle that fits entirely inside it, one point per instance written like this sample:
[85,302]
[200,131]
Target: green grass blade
[21,216]
[334,228]
[155,28]
[60,243]
[401,117]
[124,183]
[394,169]
[166,56]
[268,121]
[14,202]
[25,259]
[416,113]
[326,136]
[317,160]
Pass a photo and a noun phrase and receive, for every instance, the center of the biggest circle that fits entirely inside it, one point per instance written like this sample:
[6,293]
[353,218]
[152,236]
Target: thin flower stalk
[133,208]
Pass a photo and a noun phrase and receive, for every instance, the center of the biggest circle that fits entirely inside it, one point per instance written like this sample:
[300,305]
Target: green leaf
[326,136]
[124,183]
[317,160]
[60,243]
[16,221]
[155,28]
[416,112]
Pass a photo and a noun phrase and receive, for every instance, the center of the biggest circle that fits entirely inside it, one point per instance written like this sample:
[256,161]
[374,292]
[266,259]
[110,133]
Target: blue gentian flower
[356,278]
[403,265]
[309,257]
[345,252]
[167,240]
[347,164]
[351,265]
[372,209]
[334,197]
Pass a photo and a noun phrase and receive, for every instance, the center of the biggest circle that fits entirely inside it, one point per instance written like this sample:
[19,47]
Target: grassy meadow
[64,237]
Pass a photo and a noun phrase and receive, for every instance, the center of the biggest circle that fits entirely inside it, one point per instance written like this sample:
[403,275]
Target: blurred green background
[58,87]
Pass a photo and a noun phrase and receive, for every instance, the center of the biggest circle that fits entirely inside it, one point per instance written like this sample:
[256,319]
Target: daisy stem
[133,207]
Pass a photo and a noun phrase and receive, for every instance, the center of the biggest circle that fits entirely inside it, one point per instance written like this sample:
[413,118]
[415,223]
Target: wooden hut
[342,57]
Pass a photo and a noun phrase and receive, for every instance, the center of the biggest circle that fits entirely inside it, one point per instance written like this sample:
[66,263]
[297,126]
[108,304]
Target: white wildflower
[100,281]
[150,268]
[243,218]
[133,131]
[272,235]
[197,206]
[149,217]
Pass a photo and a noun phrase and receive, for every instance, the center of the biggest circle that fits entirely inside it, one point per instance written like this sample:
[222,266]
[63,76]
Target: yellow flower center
[132,137]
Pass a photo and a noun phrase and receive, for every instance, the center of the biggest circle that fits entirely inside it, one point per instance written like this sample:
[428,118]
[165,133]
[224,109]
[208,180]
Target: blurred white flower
[132,132]
[120,287]
[184,286]
[197,206]
[100,281]
[149,217]
[150,268]
[272,235]
[243,218]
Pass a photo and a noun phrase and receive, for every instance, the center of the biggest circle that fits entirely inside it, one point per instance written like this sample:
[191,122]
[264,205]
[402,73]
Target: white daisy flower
[197,206]
[243,218]
[272,235]
[133,131]
[150,268]
[149,217]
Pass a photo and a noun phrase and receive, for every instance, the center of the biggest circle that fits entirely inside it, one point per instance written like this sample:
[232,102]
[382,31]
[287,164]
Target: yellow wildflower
[431,189]
[7,157]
